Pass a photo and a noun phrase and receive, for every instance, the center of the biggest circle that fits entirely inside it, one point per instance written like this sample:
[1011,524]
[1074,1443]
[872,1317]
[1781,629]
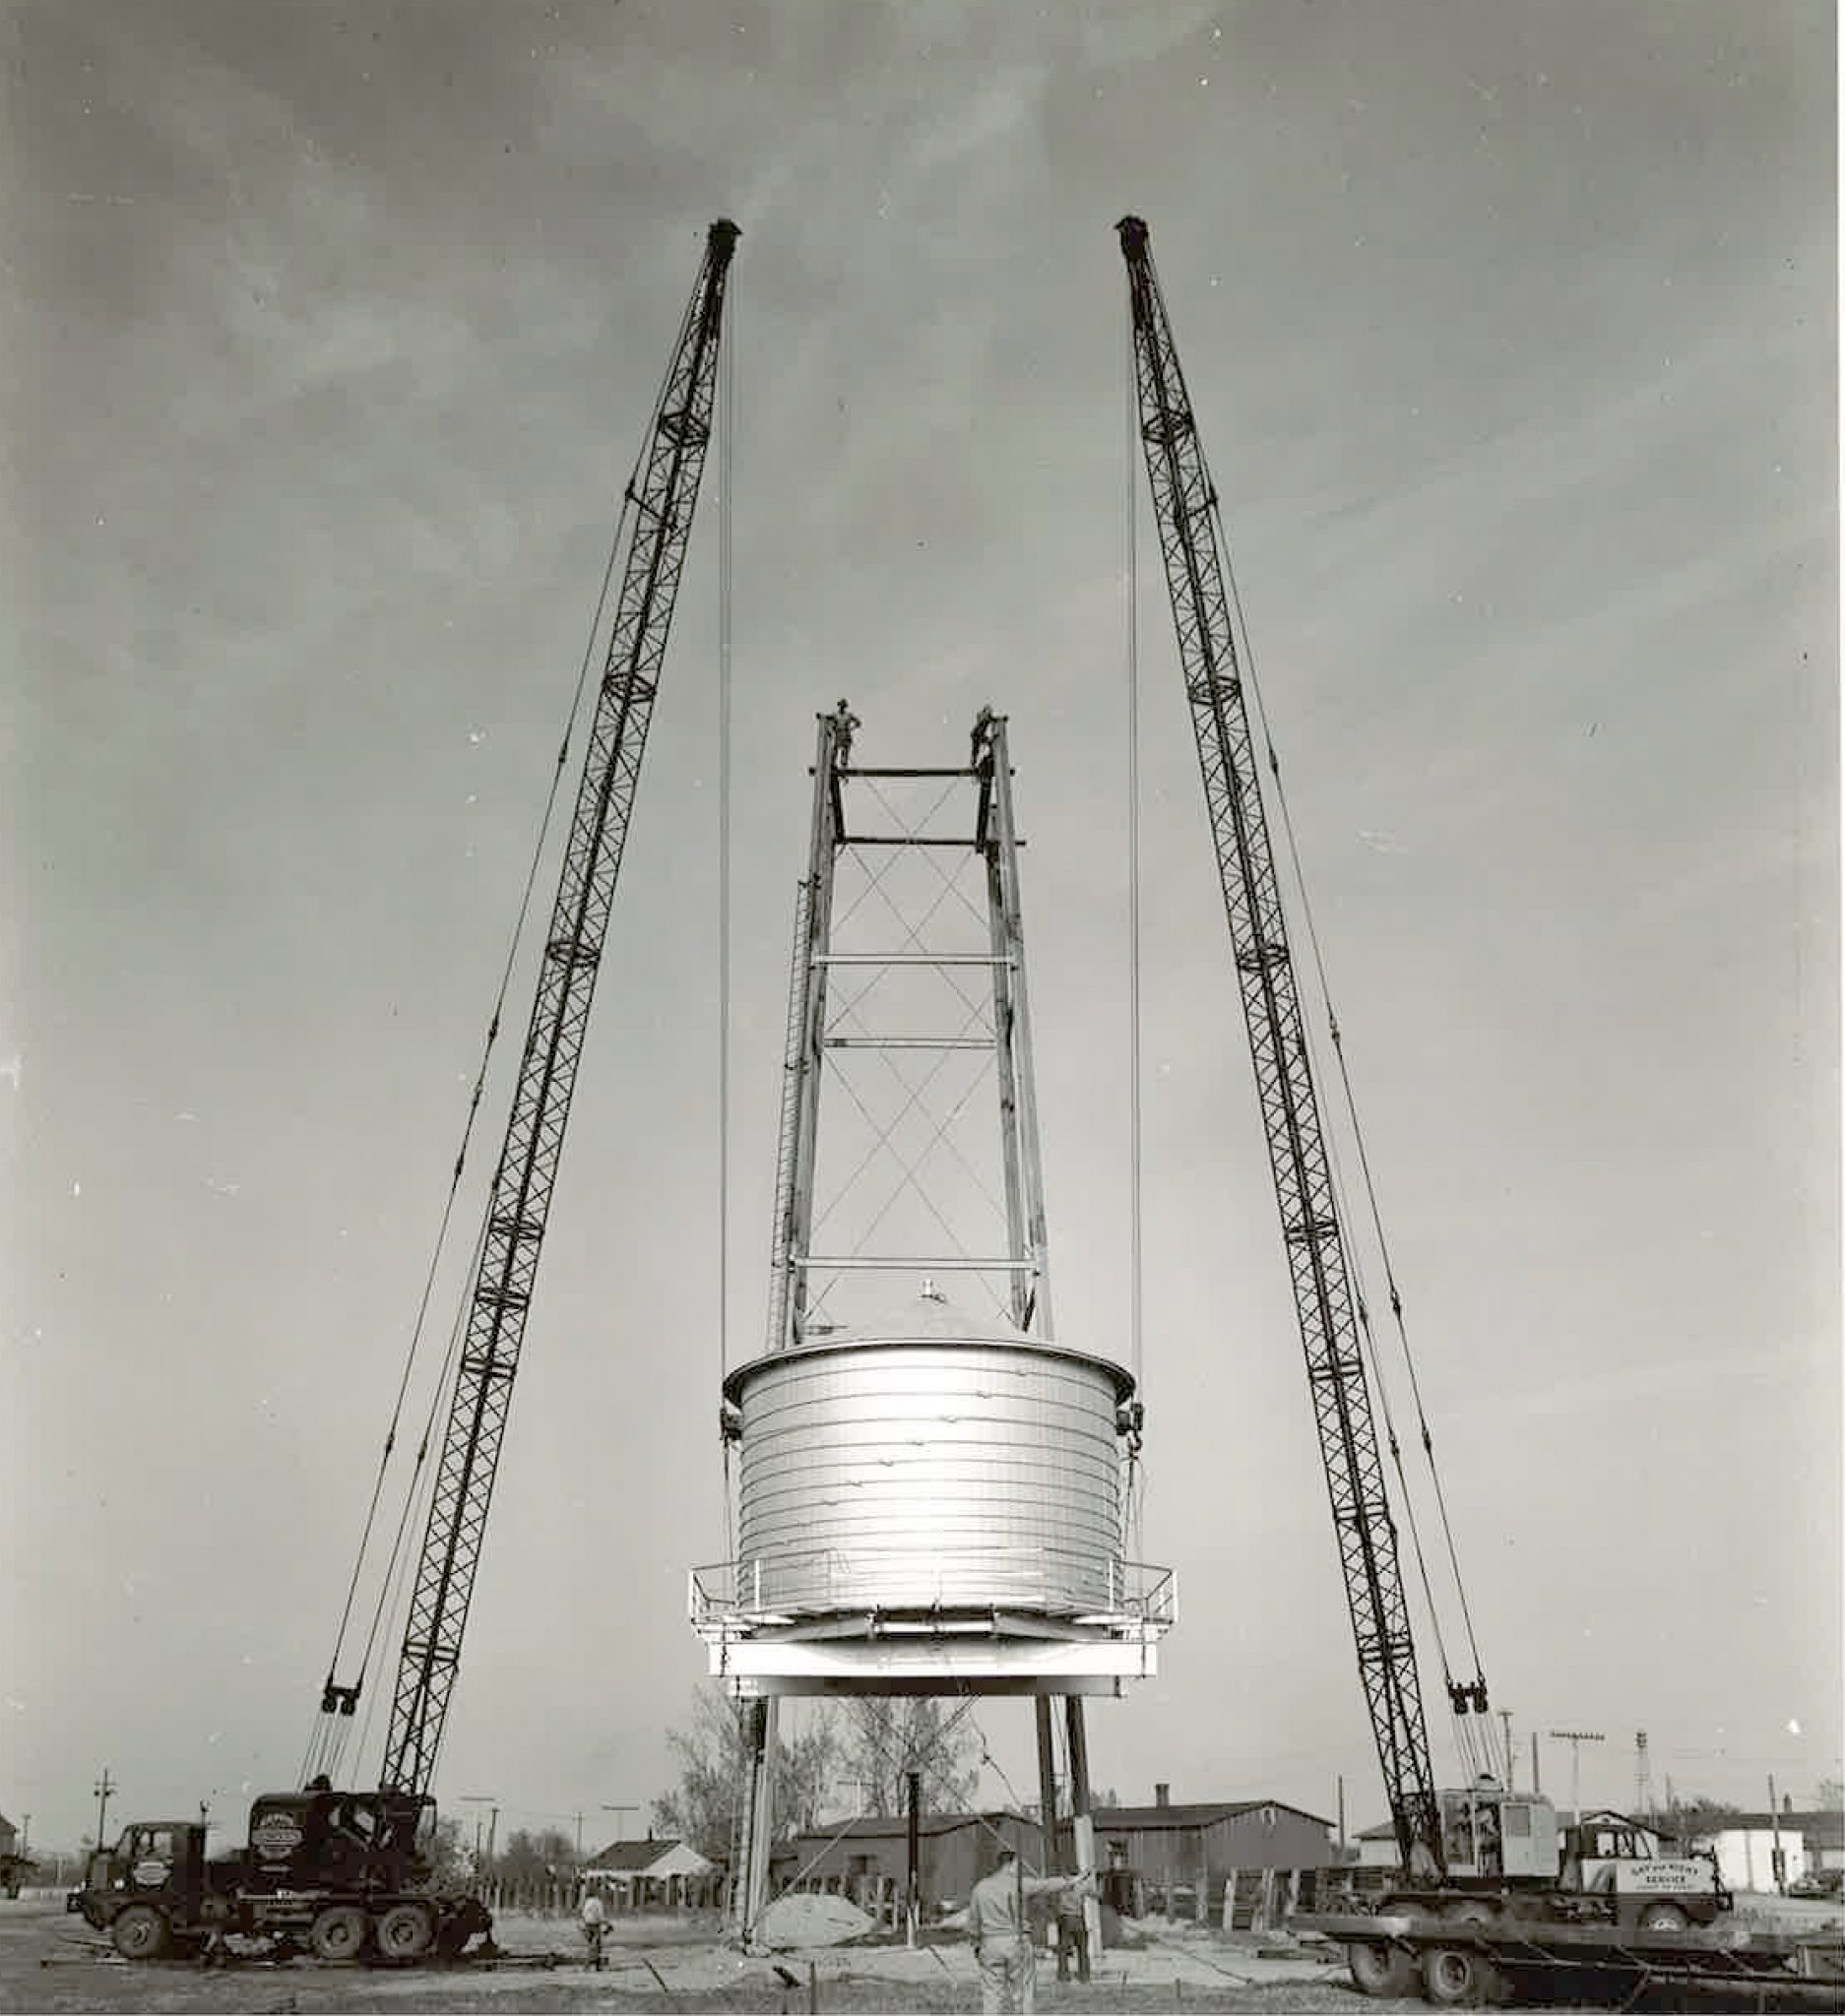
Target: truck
[346,1876]
[1505,1855]
[1507,1865]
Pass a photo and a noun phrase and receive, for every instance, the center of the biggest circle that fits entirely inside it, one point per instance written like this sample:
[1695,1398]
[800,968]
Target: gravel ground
[53,1963]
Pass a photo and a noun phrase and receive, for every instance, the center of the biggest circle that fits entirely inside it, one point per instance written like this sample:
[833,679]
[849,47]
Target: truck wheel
[338,1933]
[405,1932]
[140,1933]
[1664,1917]
[1379,1968]
[1454,1976]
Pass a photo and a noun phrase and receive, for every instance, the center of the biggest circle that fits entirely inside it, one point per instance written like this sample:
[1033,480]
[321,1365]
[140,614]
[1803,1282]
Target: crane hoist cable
[1336,1037]
[726,438]
[1206,599]
[1135,1294]
[1184,501]
[335,1694]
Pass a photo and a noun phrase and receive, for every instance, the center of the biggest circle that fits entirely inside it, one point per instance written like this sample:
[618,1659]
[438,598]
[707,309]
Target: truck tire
[1663,1916]
[338,1933]
[1455,1976]
[140,1933]
[405,1932]
[1380,1969]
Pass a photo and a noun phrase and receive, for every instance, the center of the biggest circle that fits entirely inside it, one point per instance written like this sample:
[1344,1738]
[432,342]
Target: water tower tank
[930,1461]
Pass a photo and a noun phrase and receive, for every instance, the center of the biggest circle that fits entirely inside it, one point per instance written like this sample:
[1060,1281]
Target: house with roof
[1824,1833]
[1188,1849]
[653,1875]
[1760,1852]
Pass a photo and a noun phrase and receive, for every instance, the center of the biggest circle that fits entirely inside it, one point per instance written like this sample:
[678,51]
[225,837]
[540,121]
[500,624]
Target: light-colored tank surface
[931,1461]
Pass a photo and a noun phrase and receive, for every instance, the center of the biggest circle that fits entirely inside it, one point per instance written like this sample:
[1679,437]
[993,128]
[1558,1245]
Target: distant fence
[562,1896]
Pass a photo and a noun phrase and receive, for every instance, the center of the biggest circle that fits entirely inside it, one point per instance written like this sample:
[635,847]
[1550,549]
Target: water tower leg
[1082,1827]
[1047,1785]
[751,1888]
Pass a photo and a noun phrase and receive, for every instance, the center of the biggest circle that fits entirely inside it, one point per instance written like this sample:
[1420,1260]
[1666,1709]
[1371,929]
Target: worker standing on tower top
[1002,1931]
[844,721]
[980,741]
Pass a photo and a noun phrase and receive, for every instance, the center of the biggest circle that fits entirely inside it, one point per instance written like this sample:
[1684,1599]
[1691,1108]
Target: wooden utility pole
[104,1786]
[912,1885]
[1575,1739]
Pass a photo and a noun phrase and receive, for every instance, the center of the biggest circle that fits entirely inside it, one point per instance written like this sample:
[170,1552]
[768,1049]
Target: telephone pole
[103,1789]
[1642,1778]
[1575,1739]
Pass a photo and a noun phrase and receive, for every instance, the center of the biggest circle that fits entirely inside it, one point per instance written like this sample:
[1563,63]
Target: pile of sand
[803,1920]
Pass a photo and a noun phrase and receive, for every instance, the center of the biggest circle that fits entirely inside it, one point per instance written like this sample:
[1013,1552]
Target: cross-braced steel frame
[996,1025]
[1184,504]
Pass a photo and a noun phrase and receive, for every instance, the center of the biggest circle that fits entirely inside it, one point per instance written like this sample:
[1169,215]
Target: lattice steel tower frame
[815,1035]
[1184,505]
[519,1205]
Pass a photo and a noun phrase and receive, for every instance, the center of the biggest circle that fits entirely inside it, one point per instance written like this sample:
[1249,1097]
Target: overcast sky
[331,331]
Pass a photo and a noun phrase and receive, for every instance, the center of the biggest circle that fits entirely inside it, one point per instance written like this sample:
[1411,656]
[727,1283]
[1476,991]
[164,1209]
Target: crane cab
[357,1840]
[1495,1835]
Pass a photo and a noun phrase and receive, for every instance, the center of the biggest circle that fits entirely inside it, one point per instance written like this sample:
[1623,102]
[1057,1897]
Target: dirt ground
[54,1962]
[50,1962]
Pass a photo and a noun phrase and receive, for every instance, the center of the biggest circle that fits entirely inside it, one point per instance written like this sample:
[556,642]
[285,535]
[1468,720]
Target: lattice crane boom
[519,1203]
[1185,503]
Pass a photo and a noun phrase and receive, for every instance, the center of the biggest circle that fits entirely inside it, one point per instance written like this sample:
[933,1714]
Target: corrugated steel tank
[929,1461]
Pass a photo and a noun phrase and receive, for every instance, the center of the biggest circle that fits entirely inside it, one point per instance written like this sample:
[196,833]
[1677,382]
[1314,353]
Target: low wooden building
[868,1860]
[1177,1857]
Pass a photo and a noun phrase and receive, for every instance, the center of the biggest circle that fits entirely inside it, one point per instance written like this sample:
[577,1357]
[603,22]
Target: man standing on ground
[1072,1937]
[595,1924]
[1002,1931]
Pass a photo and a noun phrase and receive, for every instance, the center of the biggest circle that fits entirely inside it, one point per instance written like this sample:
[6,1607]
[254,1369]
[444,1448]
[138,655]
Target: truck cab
[156,1873]
[1609,1855]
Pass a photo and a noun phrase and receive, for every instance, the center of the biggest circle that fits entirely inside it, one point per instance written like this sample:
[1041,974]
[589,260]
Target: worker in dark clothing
[1072,1935]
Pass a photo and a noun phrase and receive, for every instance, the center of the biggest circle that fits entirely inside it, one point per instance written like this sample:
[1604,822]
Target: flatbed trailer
[1463,1962]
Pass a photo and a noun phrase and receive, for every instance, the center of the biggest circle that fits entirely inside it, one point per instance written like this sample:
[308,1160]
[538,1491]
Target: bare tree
[538,1858]
[887,1738]
[714,1762]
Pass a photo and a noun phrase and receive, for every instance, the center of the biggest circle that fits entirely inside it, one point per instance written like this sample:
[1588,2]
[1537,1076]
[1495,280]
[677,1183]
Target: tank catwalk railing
[784,1590]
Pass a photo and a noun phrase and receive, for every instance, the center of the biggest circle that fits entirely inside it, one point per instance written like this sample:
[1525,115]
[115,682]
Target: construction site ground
[52,1962]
